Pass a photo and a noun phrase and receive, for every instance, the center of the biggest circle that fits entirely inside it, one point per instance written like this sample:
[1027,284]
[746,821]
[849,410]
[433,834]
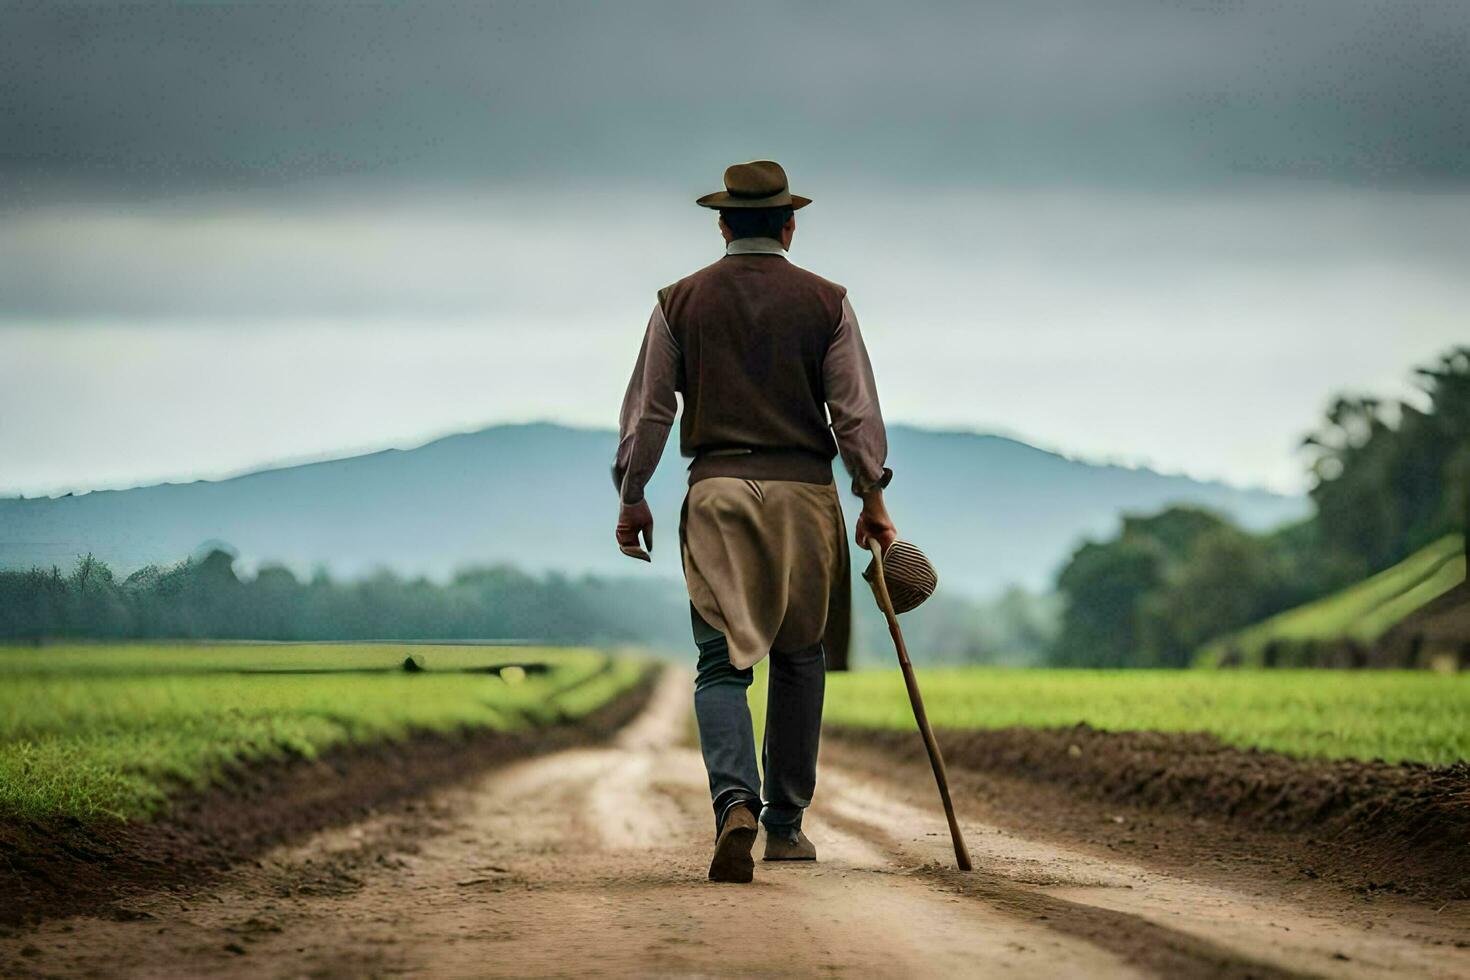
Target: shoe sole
[802,857]
[732,861]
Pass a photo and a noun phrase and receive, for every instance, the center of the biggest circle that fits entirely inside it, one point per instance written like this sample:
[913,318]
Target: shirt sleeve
[852,403]
[649,407]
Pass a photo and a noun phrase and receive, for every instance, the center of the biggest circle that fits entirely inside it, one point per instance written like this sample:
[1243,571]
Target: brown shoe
[789,847]
[732,860]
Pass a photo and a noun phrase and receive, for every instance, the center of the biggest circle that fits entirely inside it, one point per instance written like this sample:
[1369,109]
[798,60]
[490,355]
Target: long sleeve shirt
[849,392]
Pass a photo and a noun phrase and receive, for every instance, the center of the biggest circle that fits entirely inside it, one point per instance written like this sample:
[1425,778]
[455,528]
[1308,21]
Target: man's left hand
[635,519]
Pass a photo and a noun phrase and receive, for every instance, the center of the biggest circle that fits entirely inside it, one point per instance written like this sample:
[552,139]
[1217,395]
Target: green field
[1362,612]
[110,731]
[1396,716]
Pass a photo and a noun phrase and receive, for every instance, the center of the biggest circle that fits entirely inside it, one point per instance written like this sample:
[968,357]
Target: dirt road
[591,862]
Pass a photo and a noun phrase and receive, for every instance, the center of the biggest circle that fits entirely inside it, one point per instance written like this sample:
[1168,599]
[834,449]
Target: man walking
[776,382]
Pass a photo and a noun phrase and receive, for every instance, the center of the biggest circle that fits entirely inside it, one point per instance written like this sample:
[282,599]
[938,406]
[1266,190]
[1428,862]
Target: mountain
[990,511]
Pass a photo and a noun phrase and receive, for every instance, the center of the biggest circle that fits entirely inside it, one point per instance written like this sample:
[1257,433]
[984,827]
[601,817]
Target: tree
[1102,586]
[1228,579]
[1384,490]
[1166,584]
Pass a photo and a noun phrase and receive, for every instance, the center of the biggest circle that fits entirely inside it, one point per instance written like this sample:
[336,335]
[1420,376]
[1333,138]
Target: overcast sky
[1162,233]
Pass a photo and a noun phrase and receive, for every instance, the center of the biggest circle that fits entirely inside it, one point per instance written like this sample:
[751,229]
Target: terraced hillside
[1340,629]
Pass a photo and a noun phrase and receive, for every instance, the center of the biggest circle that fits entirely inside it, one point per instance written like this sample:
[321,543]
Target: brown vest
[753,331]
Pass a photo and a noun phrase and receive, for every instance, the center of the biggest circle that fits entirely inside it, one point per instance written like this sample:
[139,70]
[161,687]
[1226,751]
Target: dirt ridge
[1402,827]
[69,867]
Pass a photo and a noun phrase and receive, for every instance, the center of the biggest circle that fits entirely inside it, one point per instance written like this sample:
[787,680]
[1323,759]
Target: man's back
[753,332]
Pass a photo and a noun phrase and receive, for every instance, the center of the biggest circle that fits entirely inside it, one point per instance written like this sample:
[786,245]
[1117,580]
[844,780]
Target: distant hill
[991,511]
[1349,622]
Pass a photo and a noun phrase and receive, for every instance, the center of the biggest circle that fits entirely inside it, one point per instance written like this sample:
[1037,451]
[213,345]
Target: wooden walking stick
[880,592]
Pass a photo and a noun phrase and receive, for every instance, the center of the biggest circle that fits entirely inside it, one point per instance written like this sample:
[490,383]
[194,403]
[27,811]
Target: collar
[755,246]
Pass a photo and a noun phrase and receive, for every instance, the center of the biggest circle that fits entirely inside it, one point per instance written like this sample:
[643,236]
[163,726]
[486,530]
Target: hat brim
[724,199]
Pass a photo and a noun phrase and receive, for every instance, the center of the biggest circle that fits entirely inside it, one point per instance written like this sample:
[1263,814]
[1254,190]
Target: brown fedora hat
[757,184]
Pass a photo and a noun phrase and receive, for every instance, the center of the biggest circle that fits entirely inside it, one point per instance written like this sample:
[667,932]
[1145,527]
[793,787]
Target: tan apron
[766,564]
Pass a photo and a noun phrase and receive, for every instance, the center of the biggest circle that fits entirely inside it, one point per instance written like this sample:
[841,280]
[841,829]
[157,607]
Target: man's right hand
[634,519]
[874,523]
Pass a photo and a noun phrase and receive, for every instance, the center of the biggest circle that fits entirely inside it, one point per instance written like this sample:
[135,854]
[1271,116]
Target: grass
[1399,716]
[110,731]
[1362,612]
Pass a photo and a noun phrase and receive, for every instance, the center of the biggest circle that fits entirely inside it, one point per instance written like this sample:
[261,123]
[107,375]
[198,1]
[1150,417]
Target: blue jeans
[795,687]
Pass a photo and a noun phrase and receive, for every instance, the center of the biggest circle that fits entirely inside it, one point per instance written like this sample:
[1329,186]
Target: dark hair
[756,222]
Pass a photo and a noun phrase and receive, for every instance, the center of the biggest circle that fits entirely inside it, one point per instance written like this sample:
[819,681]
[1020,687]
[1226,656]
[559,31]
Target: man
[776,382]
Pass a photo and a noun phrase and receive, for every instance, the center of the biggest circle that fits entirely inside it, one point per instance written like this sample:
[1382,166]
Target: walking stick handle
[916,701]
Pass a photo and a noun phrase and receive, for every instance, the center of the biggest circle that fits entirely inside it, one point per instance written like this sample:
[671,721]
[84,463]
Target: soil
[1369,825]
[69,867]
[591,860]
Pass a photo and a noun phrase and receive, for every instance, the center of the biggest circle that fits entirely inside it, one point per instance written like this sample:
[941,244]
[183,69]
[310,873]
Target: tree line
[205,597]
[1388,478]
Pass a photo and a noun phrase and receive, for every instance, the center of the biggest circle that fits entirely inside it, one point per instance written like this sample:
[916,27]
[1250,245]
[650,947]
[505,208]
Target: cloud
[575,249]
[1202,332]
[150,96]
